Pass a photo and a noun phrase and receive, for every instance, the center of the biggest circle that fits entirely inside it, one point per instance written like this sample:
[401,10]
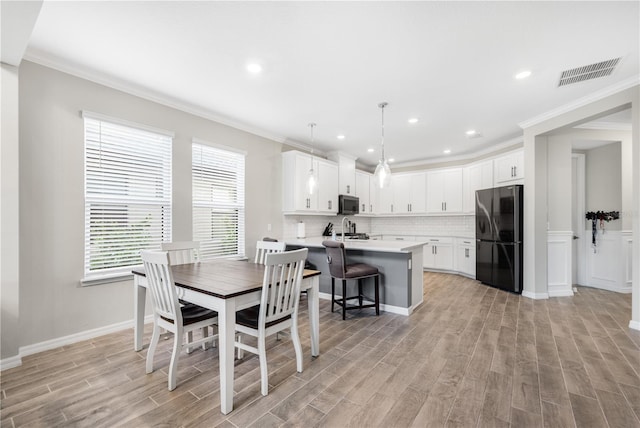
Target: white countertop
[362,244]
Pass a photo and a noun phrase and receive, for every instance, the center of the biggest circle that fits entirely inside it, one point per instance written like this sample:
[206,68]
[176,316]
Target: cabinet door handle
[370,208]
[515,171]
[391,207]
[348,188]
[436,248]
[445,206]
[363,208]
[329,204]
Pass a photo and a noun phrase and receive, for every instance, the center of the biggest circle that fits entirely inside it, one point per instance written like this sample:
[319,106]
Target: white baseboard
[634,325]
[11,362]
[386,308]
[561,293]
[535,296]
[16,361]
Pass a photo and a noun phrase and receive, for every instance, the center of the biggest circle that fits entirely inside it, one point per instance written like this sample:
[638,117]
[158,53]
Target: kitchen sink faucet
[348,225]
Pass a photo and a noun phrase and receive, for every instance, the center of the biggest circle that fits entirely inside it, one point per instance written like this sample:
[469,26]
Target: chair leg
[262,354]
[295,338]
[205,334]
[173,365]
[333,292]
[360,292]
[344,299]
[189,340]
[377,294]
[240,350]
[155,337]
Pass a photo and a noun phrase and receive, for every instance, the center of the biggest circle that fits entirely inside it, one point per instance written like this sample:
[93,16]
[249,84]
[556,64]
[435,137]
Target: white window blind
[218,201]
[127,195]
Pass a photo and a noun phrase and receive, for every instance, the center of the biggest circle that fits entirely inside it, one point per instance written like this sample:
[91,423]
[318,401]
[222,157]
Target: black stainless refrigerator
[499,237]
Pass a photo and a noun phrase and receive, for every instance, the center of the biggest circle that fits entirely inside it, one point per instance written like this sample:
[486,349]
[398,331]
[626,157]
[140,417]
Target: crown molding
[581,102]
[149,95]
[606,126]
[466,157]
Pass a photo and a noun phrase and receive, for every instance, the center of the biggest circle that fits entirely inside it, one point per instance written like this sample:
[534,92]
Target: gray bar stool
[339,269]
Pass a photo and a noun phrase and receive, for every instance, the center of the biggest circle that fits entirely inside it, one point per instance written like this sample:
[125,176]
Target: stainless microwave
[348,205]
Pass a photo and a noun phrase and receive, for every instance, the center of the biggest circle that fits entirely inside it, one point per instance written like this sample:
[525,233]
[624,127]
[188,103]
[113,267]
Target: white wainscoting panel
[608,266]
[559,263]
[627,242]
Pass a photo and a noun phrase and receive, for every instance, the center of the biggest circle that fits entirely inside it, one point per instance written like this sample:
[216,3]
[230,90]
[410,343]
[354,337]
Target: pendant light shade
[311,179]
[383,172]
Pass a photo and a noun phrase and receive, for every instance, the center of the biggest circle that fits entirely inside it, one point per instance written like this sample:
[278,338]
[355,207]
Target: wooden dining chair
[181,252]
[278,308]
[267,247]
[170,315]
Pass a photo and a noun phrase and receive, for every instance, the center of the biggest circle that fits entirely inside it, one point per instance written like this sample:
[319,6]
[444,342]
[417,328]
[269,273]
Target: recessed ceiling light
[471,132]
[254,68]
[391,160]
[523,74]
[371,150]
[340,137]
[413,120]
[446,152]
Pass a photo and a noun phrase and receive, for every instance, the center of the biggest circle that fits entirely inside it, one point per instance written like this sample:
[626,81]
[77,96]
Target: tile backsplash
[461,226]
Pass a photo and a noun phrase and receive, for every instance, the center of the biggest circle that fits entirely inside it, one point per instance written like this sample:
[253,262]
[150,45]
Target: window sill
[106,278]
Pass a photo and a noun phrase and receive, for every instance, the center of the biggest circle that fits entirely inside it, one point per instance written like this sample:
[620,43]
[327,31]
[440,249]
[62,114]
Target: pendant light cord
[382,106]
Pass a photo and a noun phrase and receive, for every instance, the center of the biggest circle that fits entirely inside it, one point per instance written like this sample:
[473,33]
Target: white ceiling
[450,64]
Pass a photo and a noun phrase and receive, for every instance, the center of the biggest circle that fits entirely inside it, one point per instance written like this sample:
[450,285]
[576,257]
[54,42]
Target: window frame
[206,250]
[127,197]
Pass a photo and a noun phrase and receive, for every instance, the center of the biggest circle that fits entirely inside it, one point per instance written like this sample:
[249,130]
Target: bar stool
[339,269]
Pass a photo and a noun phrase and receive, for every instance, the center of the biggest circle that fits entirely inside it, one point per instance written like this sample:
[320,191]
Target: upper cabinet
[363,180]
[444,191]
[409,191]
[475,177]
[384,197]
[296,197]
[346,172]
[509,169]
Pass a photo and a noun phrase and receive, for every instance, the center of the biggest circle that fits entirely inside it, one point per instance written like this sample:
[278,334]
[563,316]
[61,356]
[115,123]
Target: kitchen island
[399,263]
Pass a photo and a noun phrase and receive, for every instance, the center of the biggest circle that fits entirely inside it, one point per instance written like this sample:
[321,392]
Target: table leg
[313,294]
[226,338]
[139,300]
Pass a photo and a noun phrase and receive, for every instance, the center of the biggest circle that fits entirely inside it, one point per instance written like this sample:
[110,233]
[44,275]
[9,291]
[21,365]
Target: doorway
[578,256]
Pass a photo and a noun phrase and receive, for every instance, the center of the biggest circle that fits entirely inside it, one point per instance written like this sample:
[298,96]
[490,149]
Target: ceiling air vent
[587,72]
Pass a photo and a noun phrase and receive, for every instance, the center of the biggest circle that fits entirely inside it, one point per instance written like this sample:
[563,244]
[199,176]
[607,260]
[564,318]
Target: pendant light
[383,172]
[311,180]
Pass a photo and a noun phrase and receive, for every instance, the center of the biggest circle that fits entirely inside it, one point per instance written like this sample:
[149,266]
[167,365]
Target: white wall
[603,181]
[53,304]
[9,213]
[559,179]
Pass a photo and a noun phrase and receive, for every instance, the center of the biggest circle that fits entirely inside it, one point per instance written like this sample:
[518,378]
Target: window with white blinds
[218,201]
[127,194]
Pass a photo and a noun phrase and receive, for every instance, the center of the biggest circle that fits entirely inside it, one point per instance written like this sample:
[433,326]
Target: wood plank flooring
[470,356]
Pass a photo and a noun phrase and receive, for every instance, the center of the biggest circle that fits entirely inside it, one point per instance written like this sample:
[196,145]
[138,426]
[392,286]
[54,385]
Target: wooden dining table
[225,286]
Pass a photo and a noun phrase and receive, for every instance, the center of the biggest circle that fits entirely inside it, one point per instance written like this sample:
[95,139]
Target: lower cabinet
[438,254]
[465,258]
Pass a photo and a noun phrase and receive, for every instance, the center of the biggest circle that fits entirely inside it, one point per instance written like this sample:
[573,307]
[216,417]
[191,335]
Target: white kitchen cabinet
[327,187]
[465,257]
[373,195]
[444,191]
[475,177]
[346,172]
[362,191]
[438,254]
[296,198]
[409,193]
[384,198]
[509,169]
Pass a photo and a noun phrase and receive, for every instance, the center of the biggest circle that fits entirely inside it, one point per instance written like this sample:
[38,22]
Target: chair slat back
[281,285]
[335,258]
[181,252]
[267,247]
[160,282]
